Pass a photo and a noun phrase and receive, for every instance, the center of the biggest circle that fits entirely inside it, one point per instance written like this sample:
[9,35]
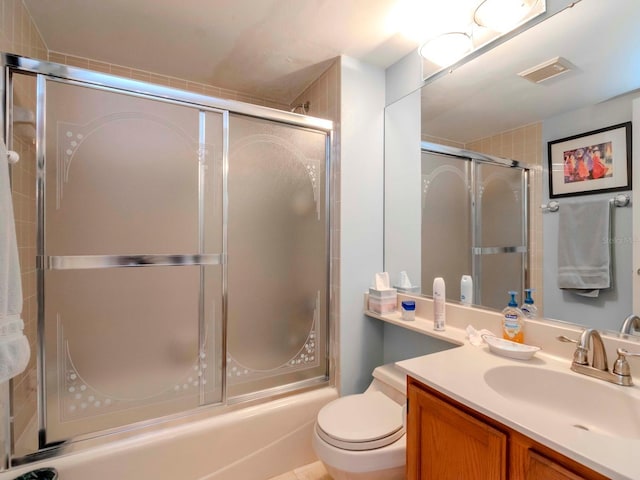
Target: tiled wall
[323,96]
[19,34]
[525,145]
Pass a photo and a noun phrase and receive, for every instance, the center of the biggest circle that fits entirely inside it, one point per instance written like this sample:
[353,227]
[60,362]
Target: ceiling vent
[545,71]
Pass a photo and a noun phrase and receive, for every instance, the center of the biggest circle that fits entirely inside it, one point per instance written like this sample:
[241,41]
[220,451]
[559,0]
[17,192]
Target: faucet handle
[564,339]
[621,365]
[581,355]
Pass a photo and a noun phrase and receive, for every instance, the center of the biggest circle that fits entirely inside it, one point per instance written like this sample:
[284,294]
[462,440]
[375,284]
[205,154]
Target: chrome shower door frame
[47,71]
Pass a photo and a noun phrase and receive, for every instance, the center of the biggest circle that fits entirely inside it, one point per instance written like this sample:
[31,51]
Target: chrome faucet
[631,323]
[599,367]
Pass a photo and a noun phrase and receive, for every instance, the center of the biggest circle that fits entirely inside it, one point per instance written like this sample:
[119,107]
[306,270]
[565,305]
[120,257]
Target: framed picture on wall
[592,162]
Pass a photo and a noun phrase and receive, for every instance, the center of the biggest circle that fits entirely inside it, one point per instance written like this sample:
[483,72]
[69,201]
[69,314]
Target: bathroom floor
[313,471]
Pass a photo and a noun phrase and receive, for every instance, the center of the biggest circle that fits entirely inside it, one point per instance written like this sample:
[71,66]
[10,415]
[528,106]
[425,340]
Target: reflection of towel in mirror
[584,247]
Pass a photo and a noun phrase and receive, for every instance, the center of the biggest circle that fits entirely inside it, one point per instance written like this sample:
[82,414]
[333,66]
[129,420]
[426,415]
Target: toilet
[362,437]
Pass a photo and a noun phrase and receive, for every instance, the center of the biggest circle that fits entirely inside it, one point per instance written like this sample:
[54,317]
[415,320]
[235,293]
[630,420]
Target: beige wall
[525,145]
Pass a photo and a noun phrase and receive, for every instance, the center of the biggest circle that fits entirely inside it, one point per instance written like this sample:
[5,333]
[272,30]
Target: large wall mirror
[482,111]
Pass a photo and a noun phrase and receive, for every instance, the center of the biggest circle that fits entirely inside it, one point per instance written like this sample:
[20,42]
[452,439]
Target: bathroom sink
[579,402]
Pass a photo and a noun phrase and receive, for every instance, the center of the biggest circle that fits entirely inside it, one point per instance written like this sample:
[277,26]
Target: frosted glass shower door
[446,221]
[501,245]
[130,259]
[277,256]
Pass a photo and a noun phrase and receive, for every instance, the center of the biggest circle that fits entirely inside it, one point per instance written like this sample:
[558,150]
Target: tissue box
[414,289]
[387,293]
[383,301]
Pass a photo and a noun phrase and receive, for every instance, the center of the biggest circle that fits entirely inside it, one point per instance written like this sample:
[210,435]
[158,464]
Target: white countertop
[459,374]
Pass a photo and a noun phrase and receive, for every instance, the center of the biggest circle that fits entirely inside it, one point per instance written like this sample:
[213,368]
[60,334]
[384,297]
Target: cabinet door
[542,468]
[444,443]
[529,460]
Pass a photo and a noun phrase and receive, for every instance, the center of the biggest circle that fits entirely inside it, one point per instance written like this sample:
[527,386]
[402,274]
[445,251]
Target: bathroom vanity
[448,440]
[474,414]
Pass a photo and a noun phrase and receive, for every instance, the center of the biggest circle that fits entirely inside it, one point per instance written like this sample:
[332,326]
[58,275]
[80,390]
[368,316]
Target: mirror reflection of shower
[482,232]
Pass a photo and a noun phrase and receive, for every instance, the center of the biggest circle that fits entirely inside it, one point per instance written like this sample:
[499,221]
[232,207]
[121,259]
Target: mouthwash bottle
[529,310]
[513,321]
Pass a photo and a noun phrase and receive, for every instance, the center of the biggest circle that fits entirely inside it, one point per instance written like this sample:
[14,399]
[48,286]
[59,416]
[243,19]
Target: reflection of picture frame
[592,162]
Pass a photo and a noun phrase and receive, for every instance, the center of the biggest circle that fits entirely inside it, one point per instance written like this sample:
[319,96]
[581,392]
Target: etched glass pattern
[277,252]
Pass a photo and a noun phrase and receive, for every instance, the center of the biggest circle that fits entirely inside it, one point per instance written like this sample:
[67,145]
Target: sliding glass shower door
[182,255]
[278,246]
[131,258]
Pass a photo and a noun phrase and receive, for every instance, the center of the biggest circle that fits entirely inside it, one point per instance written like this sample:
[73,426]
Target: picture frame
[592,162]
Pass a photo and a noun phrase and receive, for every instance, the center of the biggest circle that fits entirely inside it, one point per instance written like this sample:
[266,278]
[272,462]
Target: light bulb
[502,15]
[447,48]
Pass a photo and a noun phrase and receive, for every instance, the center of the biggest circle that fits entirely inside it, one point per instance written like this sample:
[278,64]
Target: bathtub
[253,443]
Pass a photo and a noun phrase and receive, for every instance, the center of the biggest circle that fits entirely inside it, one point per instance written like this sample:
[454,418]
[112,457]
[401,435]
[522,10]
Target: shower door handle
[85,262]
[498,250]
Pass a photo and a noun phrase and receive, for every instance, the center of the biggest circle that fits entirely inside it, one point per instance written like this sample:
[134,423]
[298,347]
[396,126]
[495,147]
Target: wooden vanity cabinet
[449,441]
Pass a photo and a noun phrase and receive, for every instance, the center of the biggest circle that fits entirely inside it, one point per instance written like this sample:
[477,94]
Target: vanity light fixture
[447,48]
[490,20]
[502,15]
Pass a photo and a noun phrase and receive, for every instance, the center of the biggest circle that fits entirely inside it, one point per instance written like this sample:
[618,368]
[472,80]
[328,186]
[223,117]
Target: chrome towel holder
[620,200]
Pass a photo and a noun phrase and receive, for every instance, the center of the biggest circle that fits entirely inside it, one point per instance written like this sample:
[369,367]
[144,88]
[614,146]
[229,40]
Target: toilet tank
[391,381]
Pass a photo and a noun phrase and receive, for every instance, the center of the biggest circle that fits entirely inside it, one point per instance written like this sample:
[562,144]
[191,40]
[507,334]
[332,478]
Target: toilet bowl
[362,437]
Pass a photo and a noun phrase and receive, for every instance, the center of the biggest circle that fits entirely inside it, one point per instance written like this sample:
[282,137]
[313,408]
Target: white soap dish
[510,349]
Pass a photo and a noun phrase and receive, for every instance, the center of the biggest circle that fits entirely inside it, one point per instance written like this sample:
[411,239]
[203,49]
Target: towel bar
[83,262]
[620,200]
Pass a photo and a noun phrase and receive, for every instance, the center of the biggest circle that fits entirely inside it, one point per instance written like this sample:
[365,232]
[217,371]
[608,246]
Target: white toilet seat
[360,422]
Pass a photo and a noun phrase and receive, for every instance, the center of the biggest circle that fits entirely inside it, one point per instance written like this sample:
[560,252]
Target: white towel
[14,347]
[584,247]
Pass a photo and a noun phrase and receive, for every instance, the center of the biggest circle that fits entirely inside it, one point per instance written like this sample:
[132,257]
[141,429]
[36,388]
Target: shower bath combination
[181,259]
